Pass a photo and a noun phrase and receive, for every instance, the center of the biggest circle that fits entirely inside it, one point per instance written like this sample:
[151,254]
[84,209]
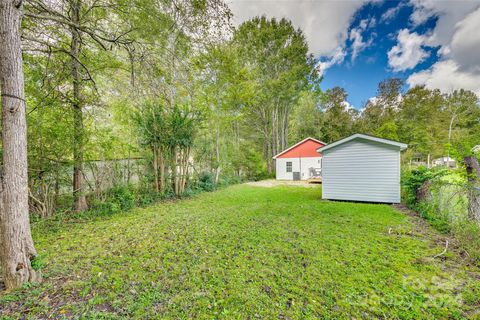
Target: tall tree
[420,123]
[17,249]
[78,29]
[381,110]
[308,118]
[170,37]
[339,117]
[278,55]
[462,111]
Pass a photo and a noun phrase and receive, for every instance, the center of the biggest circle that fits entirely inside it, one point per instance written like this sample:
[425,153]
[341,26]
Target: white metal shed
[362,168]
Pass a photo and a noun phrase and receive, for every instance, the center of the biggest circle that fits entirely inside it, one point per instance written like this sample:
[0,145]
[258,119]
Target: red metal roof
[304,149]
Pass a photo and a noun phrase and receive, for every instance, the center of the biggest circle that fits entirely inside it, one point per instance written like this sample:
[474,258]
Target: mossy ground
[244,253]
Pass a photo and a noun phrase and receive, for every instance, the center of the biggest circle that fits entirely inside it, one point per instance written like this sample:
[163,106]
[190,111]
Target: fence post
[473,176]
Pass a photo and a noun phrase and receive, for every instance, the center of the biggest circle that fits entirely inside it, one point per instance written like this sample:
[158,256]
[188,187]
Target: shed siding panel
[362,170]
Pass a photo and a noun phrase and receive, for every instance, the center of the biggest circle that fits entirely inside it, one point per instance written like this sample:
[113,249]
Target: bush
[104,207]
[146,196]
[438,220]
[118,199]
[229,180]
[413,180]
[190,192]
[446,207]
[251,163]
[206,181]
[123,197]
[468,234]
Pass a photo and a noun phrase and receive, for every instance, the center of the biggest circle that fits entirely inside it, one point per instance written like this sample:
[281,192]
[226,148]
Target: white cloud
[460,64]
[448,12]
[357,38]
[325,23]
[446,76]
[408,52]
[423,10]
[379,100]
[388,15]
[337,57]
[347,105]
[466,43]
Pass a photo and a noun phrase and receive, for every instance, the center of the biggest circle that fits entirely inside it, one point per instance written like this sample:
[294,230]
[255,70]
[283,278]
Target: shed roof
[402,146]
[299,144]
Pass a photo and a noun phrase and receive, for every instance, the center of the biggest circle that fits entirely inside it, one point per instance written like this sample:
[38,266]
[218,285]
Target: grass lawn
[248,252]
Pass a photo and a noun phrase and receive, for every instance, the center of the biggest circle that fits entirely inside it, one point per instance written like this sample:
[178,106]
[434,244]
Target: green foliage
[339,119]
[37,262]
[229,180]
[206,181]
[151,124]
[116,199]
[471,294]
[431,123]
[251,163]
[380,113]
[388,130]
[245,251]
[146,196]
[308,118]
[275,53]
[468,235]
[437,219]
[414,179]
[123,196]
[446,207]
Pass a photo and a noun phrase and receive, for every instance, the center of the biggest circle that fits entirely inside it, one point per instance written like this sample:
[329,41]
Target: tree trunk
[162,170]
[217,154]
[17,250]
[155,169]
[285,142]
[57,185]
[450,127]
[173,165]
[272,134]
[473,176]
[78,129]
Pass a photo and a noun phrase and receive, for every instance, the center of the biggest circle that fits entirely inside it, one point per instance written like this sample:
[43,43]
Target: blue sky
[360,42]
[361,76]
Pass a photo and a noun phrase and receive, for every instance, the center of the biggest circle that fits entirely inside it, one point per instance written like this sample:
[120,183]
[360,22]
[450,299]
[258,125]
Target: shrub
[37,262]
[413,180]
[468,234]
[145,195]
[123,197]
[117,199]
[446,207]
[104,207]
[251,163]
[229,180]
[206,181]
[190,192]
[435,217]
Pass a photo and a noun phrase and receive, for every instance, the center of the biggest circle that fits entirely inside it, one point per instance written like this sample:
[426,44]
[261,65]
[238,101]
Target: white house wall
[362,170]
[301,165]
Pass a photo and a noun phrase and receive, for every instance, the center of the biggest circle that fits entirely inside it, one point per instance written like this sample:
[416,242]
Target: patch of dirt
[275,183]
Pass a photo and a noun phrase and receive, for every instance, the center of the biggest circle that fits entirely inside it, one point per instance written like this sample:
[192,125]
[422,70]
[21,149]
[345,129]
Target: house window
[289,167]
